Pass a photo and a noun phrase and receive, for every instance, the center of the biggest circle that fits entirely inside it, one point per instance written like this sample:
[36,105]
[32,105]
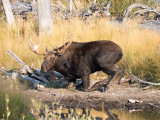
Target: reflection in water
[93,113]
[117,114]
[136,115]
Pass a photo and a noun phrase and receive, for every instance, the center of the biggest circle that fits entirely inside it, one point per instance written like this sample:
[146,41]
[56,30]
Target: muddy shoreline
[117,97]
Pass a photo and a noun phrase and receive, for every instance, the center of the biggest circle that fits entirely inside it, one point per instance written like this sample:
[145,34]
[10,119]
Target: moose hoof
[71,87]
[85,90]
[105,88]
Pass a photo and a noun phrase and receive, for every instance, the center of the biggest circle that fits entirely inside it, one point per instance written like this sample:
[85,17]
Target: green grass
[17,104]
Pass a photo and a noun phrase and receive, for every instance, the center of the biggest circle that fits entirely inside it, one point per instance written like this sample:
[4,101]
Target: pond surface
[116,114]
[136,115]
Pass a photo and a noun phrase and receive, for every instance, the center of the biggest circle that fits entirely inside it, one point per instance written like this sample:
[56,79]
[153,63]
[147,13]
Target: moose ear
[47,49]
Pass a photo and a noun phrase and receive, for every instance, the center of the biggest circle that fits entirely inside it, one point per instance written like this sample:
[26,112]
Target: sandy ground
[116,97]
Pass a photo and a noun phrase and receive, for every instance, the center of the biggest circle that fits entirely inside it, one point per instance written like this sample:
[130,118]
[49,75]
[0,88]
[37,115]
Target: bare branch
[90,2]
[156,11]
[130,8]
[74,5]
[142,81]
[94,2]
[60,4]
[106,9]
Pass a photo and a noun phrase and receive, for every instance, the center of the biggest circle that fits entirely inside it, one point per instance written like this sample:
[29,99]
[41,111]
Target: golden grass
[139,45]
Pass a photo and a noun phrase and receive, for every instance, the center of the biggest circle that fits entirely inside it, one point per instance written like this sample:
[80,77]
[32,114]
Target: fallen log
[27,68]
[29,79]
[36,73]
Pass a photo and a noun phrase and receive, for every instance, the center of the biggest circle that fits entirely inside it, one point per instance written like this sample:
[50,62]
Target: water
[136,115]
[117,114]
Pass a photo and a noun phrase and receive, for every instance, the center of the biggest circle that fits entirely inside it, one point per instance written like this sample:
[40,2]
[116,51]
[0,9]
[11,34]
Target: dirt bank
[116,97]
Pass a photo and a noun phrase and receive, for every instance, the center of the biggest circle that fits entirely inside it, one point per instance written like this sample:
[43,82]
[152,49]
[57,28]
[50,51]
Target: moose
[78,60]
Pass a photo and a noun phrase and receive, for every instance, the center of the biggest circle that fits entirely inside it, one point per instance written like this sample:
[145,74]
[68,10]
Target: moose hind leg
[114,72]
[115,75]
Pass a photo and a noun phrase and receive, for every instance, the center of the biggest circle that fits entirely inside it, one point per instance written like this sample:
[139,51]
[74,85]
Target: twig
[60,4]
[74,5]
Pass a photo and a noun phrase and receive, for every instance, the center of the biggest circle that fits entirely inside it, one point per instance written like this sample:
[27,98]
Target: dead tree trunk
[33,6]
[44,16]
[8,12]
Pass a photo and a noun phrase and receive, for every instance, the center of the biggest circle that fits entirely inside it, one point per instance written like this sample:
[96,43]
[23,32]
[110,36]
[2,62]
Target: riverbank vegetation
[140,46]
[13,104]
[140,49]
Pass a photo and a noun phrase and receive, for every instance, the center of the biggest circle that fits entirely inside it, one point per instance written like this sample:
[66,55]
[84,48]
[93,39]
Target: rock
[124,80]
[146,88]
[134,101]
[12,75]
[36,86]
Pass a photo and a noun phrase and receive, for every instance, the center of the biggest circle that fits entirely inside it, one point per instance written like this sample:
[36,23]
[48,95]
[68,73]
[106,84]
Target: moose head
[50,57]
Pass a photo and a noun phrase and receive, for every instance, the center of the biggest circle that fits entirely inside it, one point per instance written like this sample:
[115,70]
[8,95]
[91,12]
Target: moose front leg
[86,81]
[84,71]
[51,77]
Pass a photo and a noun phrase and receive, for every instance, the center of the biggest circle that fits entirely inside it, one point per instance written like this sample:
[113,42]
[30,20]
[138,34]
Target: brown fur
[82,59]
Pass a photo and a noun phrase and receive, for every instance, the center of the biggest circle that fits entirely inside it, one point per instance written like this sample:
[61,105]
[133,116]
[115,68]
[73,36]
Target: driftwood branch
[19,61]
[130,8]
[142,81]
[156,11]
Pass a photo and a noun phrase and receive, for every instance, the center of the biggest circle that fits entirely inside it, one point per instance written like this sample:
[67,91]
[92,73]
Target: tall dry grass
[139,45]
